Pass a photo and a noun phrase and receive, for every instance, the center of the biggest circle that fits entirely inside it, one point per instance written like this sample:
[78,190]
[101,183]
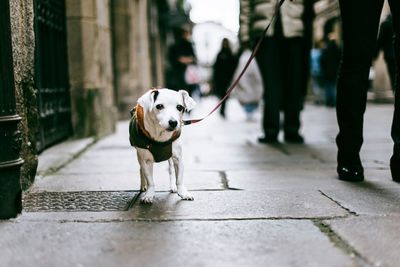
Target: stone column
[90,67]
[126,75]
[137,60]
[140,39]
[23,43]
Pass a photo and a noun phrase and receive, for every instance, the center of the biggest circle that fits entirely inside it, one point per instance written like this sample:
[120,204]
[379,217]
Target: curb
[58,156]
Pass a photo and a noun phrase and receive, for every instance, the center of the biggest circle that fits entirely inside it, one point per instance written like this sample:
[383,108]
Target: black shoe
[294,138]
[268,139]
[395,169]
[351,173]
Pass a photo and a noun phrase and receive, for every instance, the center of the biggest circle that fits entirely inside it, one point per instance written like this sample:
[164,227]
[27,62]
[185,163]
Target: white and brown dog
[154,131]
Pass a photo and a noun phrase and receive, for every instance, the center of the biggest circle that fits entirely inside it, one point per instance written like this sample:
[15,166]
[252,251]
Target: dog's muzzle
[172,125]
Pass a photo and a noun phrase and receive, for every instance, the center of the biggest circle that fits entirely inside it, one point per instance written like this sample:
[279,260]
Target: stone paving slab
[368,198]
[194,180]
[101,165]
[229,243]
[210,162]
[239,205]
[74,216]
[266,224]
[249,156]
[298,177]
[117,153]
[56,156]
[239,166]
[375,237]
[293,177]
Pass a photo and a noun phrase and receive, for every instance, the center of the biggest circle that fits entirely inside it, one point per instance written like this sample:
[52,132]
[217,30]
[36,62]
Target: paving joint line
[188,220]
[224,181]
[338,203]
[279,147]
[341,244]
[316,157]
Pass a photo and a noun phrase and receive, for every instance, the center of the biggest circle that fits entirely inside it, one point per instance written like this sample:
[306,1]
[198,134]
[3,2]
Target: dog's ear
[187,100]
[147,100]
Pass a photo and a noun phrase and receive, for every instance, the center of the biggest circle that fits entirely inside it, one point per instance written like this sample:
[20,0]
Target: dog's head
[167,106]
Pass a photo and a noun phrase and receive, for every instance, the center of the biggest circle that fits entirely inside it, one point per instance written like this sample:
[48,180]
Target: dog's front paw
[147,198]
[173,189]
[185,195]
[143,188]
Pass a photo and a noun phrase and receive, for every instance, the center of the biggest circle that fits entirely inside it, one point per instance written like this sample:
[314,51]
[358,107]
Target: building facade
[76,68]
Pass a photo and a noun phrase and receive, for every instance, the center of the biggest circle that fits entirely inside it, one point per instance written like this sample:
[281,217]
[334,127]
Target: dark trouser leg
[293,61]
[395,161]
[360,21]
[269,64]
[395,9]
[391,67]
[222,108]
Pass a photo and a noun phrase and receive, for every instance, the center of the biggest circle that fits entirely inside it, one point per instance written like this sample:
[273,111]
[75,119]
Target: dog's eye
[180,108]
[159,106]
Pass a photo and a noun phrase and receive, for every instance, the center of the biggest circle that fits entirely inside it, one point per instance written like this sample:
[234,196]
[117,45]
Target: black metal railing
[51,72]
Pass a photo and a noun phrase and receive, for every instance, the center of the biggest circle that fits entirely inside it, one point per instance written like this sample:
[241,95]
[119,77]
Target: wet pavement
[255,205]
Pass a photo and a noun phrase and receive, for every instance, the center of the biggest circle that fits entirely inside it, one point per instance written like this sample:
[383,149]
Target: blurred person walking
[330,60]
[316,73]
[223,70]
[385,44]
[249,89]
[281,59]
[181,56]
[360,22]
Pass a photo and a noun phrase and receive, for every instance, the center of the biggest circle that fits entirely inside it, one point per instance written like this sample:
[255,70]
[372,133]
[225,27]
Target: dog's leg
[178,164]
[143,182]
[148,196]
[146,168]
[172,176]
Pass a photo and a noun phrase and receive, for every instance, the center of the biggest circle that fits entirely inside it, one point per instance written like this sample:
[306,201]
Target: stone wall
[108,62]
[90,67]
[127,80]
[23,42]
[138,51]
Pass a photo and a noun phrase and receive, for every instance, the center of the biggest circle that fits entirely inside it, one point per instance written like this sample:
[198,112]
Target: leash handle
[253,54]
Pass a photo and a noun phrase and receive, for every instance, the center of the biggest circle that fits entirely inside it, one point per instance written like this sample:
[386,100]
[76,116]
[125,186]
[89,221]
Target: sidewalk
[255,205]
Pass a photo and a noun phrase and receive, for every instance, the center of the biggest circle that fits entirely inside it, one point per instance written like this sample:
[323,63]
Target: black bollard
[10,138]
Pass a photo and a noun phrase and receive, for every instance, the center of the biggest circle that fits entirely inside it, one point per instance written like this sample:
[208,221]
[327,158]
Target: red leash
[253,54]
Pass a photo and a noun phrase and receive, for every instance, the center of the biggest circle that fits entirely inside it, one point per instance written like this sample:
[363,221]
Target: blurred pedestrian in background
[250,87]
[360,22]
[385,44]
[330,60]
[308,37]
[316,73]
[281,59]
[181,56]
[223,69]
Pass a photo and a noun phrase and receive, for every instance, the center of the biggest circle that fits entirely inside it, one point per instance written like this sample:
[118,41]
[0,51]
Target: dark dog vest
[161,151]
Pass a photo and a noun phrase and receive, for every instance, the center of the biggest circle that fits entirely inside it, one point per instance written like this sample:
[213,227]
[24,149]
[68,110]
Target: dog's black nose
[172,123]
